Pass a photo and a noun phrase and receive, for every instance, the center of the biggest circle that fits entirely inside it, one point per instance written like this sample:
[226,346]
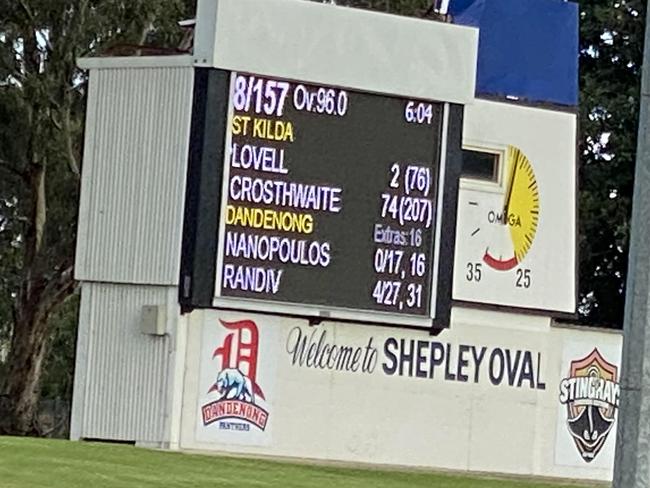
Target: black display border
[203,188]
[203,201]
[450,191]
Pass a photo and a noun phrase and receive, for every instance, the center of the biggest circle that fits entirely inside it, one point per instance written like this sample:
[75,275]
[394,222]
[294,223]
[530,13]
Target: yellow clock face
[522,207]
[520,212]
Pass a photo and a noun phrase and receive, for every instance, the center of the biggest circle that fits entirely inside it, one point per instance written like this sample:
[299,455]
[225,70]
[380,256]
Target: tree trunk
[39,294]
[44,286]
[29,346]
[33,304]
[23,376]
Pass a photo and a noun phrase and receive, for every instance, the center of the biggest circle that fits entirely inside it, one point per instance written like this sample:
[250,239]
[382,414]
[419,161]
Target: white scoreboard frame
[339,46]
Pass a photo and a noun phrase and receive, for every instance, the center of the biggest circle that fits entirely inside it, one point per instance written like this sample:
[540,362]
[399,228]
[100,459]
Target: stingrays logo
[236,385]
[591,394]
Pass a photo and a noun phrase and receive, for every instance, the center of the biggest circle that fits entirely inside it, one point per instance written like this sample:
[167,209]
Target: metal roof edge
[121,62]
[585,328]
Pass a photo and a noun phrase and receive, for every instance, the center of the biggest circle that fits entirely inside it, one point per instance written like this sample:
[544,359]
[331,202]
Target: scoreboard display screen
[329,198]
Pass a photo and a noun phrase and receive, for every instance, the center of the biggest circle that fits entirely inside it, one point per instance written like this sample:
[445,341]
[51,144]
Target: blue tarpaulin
[527,48]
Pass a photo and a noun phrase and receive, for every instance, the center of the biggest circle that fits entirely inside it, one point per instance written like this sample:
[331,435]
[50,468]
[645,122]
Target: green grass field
[34,463]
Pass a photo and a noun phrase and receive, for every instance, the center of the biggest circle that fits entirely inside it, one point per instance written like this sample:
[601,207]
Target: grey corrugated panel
[81,365]
[134,172]
[125,374]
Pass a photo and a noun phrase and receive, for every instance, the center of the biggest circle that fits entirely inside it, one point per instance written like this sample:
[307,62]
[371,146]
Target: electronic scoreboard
[319,201]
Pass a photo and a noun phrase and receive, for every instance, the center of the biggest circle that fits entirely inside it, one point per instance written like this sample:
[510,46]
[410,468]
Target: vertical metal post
[204,31]
[632,464]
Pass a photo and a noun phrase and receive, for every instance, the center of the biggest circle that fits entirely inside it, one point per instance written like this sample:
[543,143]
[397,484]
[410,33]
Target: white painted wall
[548,139]
[382,417]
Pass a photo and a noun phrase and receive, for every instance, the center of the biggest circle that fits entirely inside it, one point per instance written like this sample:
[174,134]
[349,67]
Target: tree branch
[30,15]
[55,122]
[146,29]
[57,289]
[67,135]
[40,207]
[42,294]
[65,128]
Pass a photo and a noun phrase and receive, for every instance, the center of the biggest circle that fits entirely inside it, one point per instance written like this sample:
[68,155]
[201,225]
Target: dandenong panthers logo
[235,387]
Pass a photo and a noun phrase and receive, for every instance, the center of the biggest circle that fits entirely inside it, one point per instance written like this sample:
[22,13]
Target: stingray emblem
[591,395]
[235,387]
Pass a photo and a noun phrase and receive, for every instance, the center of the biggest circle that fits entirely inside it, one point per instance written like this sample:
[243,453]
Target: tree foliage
[58,371]
[412,8]
[409,8]
[41,123]
[611,49]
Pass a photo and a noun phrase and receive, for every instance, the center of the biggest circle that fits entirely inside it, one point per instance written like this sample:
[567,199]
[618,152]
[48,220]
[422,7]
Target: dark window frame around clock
[480,165]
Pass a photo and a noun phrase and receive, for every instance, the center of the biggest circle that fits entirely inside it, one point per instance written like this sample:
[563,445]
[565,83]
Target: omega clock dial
[499,228]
